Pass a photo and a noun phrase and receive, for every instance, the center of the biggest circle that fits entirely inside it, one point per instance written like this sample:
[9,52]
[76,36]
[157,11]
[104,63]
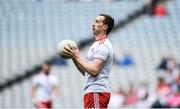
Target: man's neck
[100,36]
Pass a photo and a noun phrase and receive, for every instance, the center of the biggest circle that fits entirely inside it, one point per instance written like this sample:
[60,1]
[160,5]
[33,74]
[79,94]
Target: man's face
[46,68]
[98,26]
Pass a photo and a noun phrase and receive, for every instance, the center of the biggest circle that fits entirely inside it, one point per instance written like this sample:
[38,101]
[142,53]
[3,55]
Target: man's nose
[93,25]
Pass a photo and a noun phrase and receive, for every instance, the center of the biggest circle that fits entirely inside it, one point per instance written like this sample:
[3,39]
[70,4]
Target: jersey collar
[101,38]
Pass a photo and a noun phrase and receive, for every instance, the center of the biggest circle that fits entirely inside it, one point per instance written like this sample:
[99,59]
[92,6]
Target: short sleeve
[101,52]
[55,80]
[34,81]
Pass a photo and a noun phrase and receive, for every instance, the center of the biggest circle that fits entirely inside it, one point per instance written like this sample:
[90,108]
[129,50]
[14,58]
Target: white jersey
[44,84]
[101,49]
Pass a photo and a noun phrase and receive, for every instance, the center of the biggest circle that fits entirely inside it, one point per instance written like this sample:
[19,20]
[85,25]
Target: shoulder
[106,44]
[53,76]
[103,45]
[37,78]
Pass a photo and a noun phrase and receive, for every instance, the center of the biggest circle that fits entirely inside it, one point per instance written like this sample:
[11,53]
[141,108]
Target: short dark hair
[49,63]
[109,21]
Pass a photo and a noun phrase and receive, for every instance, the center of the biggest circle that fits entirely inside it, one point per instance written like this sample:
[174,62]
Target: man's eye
[97,21]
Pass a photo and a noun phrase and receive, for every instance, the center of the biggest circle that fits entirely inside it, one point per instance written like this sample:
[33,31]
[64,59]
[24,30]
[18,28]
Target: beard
[96,32]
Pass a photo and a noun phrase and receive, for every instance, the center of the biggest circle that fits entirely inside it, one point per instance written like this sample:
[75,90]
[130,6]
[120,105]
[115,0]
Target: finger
[67,49]
[70,47]
[66,54]
[75,48]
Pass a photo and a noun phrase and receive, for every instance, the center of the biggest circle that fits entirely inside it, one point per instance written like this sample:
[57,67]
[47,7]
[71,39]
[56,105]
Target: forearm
[82,65]
[87,67]
[56,91]
[79,67]
[33,93]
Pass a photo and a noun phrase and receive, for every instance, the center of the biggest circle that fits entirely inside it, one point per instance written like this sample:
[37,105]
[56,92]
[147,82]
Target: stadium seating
[30,31]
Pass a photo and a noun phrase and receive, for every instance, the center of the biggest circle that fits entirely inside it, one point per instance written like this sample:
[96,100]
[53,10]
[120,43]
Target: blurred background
[146,40]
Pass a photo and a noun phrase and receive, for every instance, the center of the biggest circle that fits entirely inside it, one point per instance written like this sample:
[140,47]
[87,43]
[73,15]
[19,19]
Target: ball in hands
[61,49]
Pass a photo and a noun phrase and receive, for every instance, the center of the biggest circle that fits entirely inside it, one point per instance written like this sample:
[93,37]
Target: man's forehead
[100,18]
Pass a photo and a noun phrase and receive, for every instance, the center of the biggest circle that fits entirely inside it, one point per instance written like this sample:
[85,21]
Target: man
[97,65]
[44,87]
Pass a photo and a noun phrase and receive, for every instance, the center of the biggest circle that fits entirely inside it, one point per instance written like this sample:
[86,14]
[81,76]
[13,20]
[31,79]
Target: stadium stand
[31,29]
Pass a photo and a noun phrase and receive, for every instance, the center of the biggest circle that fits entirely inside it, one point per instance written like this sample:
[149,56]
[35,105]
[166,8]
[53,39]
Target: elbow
[95,74]
[94,71]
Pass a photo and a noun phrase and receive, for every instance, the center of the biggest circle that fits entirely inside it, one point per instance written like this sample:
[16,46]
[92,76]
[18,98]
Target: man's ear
[105,27]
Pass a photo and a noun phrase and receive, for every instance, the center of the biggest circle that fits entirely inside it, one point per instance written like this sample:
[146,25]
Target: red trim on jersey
[101,40]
